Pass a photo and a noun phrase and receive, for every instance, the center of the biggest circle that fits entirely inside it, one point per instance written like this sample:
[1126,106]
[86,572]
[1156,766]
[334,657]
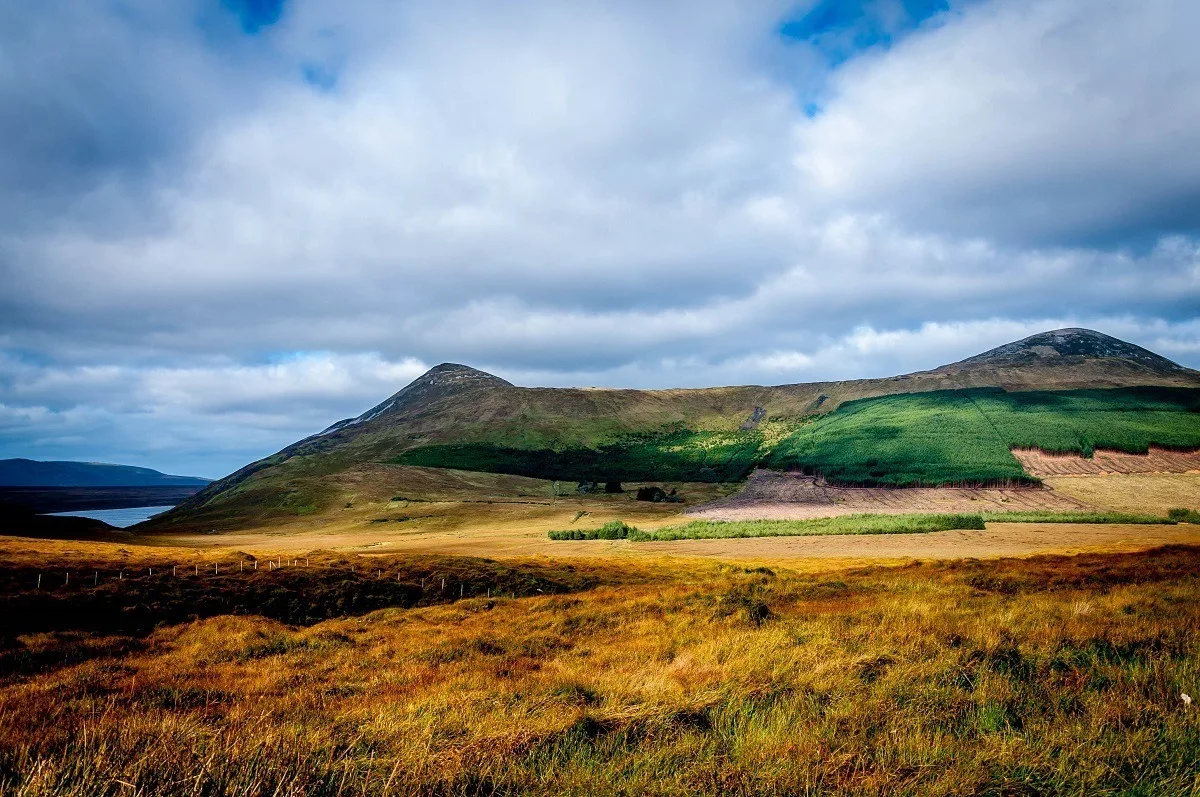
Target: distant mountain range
[457,417]
[33,473]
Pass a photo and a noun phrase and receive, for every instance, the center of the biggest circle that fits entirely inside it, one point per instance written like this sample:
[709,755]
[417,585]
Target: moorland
[980,579]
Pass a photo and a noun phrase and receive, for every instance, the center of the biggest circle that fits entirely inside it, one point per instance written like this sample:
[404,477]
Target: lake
[120,518]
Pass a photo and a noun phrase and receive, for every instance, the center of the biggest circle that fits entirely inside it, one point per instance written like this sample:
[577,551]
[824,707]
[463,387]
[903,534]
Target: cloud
[207,253]
[1026,121]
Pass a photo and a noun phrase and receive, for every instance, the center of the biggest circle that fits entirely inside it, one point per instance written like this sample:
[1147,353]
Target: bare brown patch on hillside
[785,496]
[1159,460]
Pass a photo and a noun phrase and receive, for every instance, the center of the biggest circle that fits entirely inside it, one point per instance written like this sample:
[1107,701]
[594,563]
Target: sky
[226,224]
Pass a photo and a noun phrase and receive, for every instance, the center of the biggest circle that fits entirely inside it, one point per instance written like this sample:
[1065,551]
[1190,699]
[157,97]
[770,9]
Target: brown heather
[1028,676]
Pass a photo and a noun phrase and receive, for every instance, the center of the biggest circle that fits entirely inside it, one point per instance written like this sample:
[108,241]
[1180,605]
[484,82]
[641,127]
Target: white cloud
[1044,120]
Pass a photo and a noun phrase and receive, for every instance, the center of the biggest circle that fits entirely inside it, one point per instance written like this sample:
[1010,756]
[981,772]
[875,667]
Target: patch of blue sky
[323,77]
[841,29]
[255,15]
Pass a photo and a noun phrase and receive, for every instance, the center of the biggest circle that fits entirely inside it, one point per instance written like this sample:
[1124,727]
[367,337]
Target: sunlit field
[1027,676]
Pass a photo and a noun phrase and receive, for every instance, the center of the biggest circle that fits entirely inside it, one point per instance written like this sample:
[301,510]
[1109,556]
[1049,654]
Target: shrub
[613,530]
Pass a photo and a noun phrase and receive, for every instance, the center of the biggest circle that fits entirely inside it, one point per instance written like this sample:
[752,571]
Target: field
[865,524]
[1131,492]
[1044,675]
[424,636]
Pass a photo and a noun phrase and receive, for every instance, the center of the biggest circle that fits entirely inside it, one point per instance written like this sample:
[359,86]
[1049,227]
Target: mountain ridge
[20,472]
[457,405]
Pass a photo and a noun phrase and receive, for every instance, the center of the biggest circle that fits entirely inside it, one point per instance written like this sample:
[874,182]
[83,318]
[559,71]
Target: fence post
[461,587]
[443,585]
[96,580]
[68,581]
[197,568]
[172,571]
[214,568]
[39,586]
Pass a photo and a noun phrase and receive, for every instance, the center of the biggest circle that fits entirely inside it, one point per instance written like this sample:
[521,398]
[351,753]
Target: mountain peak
[1071,342]
[440,381]
[451,373]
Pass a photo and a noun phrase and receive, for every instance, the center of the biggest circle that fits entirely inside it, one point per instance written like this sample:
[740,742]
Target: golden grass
[1137,492]
[1044,675]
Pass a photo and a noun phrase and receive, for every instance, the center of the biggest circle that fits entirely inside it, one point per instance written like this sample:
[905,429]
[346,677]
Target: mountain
[458,417]
[1073,346]
[32,473]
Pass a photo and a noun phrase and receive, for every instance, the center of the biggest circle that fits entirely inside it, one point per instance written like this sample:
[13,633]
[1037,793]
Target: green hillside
[935,438]
[677,455]
[966,436]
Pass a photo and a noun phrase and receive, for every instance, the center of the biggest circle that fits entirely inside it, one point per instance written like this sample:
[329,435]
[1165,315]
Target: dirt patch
[1104,462]
[785,496]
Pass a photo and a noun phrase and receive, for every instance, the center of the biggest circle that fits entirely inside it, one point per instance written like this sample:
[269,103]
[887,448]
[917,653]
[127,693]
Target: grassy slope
[951,437]
[940,437]
[1033,676]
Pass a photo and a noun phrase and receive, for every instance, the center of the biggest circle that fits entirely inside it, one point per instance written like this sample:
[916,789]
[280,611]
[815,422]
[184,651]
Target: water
[121,518]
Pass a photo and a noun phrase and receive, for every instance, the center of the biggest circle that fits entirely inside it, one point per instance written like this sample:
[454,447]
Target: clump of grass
[612,530]
[846,524]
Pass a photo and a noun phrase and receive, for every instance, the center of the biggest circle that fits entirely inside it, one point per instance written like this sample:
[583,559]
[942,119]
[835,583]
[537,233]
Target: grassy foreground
[1036,676]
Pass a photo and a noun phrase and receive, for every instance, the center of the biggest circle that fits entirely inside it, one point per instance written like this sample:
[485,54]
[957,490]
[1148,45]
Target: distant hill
[455,416]
[32,473]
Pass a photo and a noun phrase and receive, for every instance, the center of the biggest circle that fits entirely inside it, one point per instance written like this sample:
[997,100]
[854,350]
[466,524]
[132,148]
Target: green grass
[1184,515]
[613,530]
[846,524]
[1079,517]
[675,455]
[943,437]
[858,524]
[965,436]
